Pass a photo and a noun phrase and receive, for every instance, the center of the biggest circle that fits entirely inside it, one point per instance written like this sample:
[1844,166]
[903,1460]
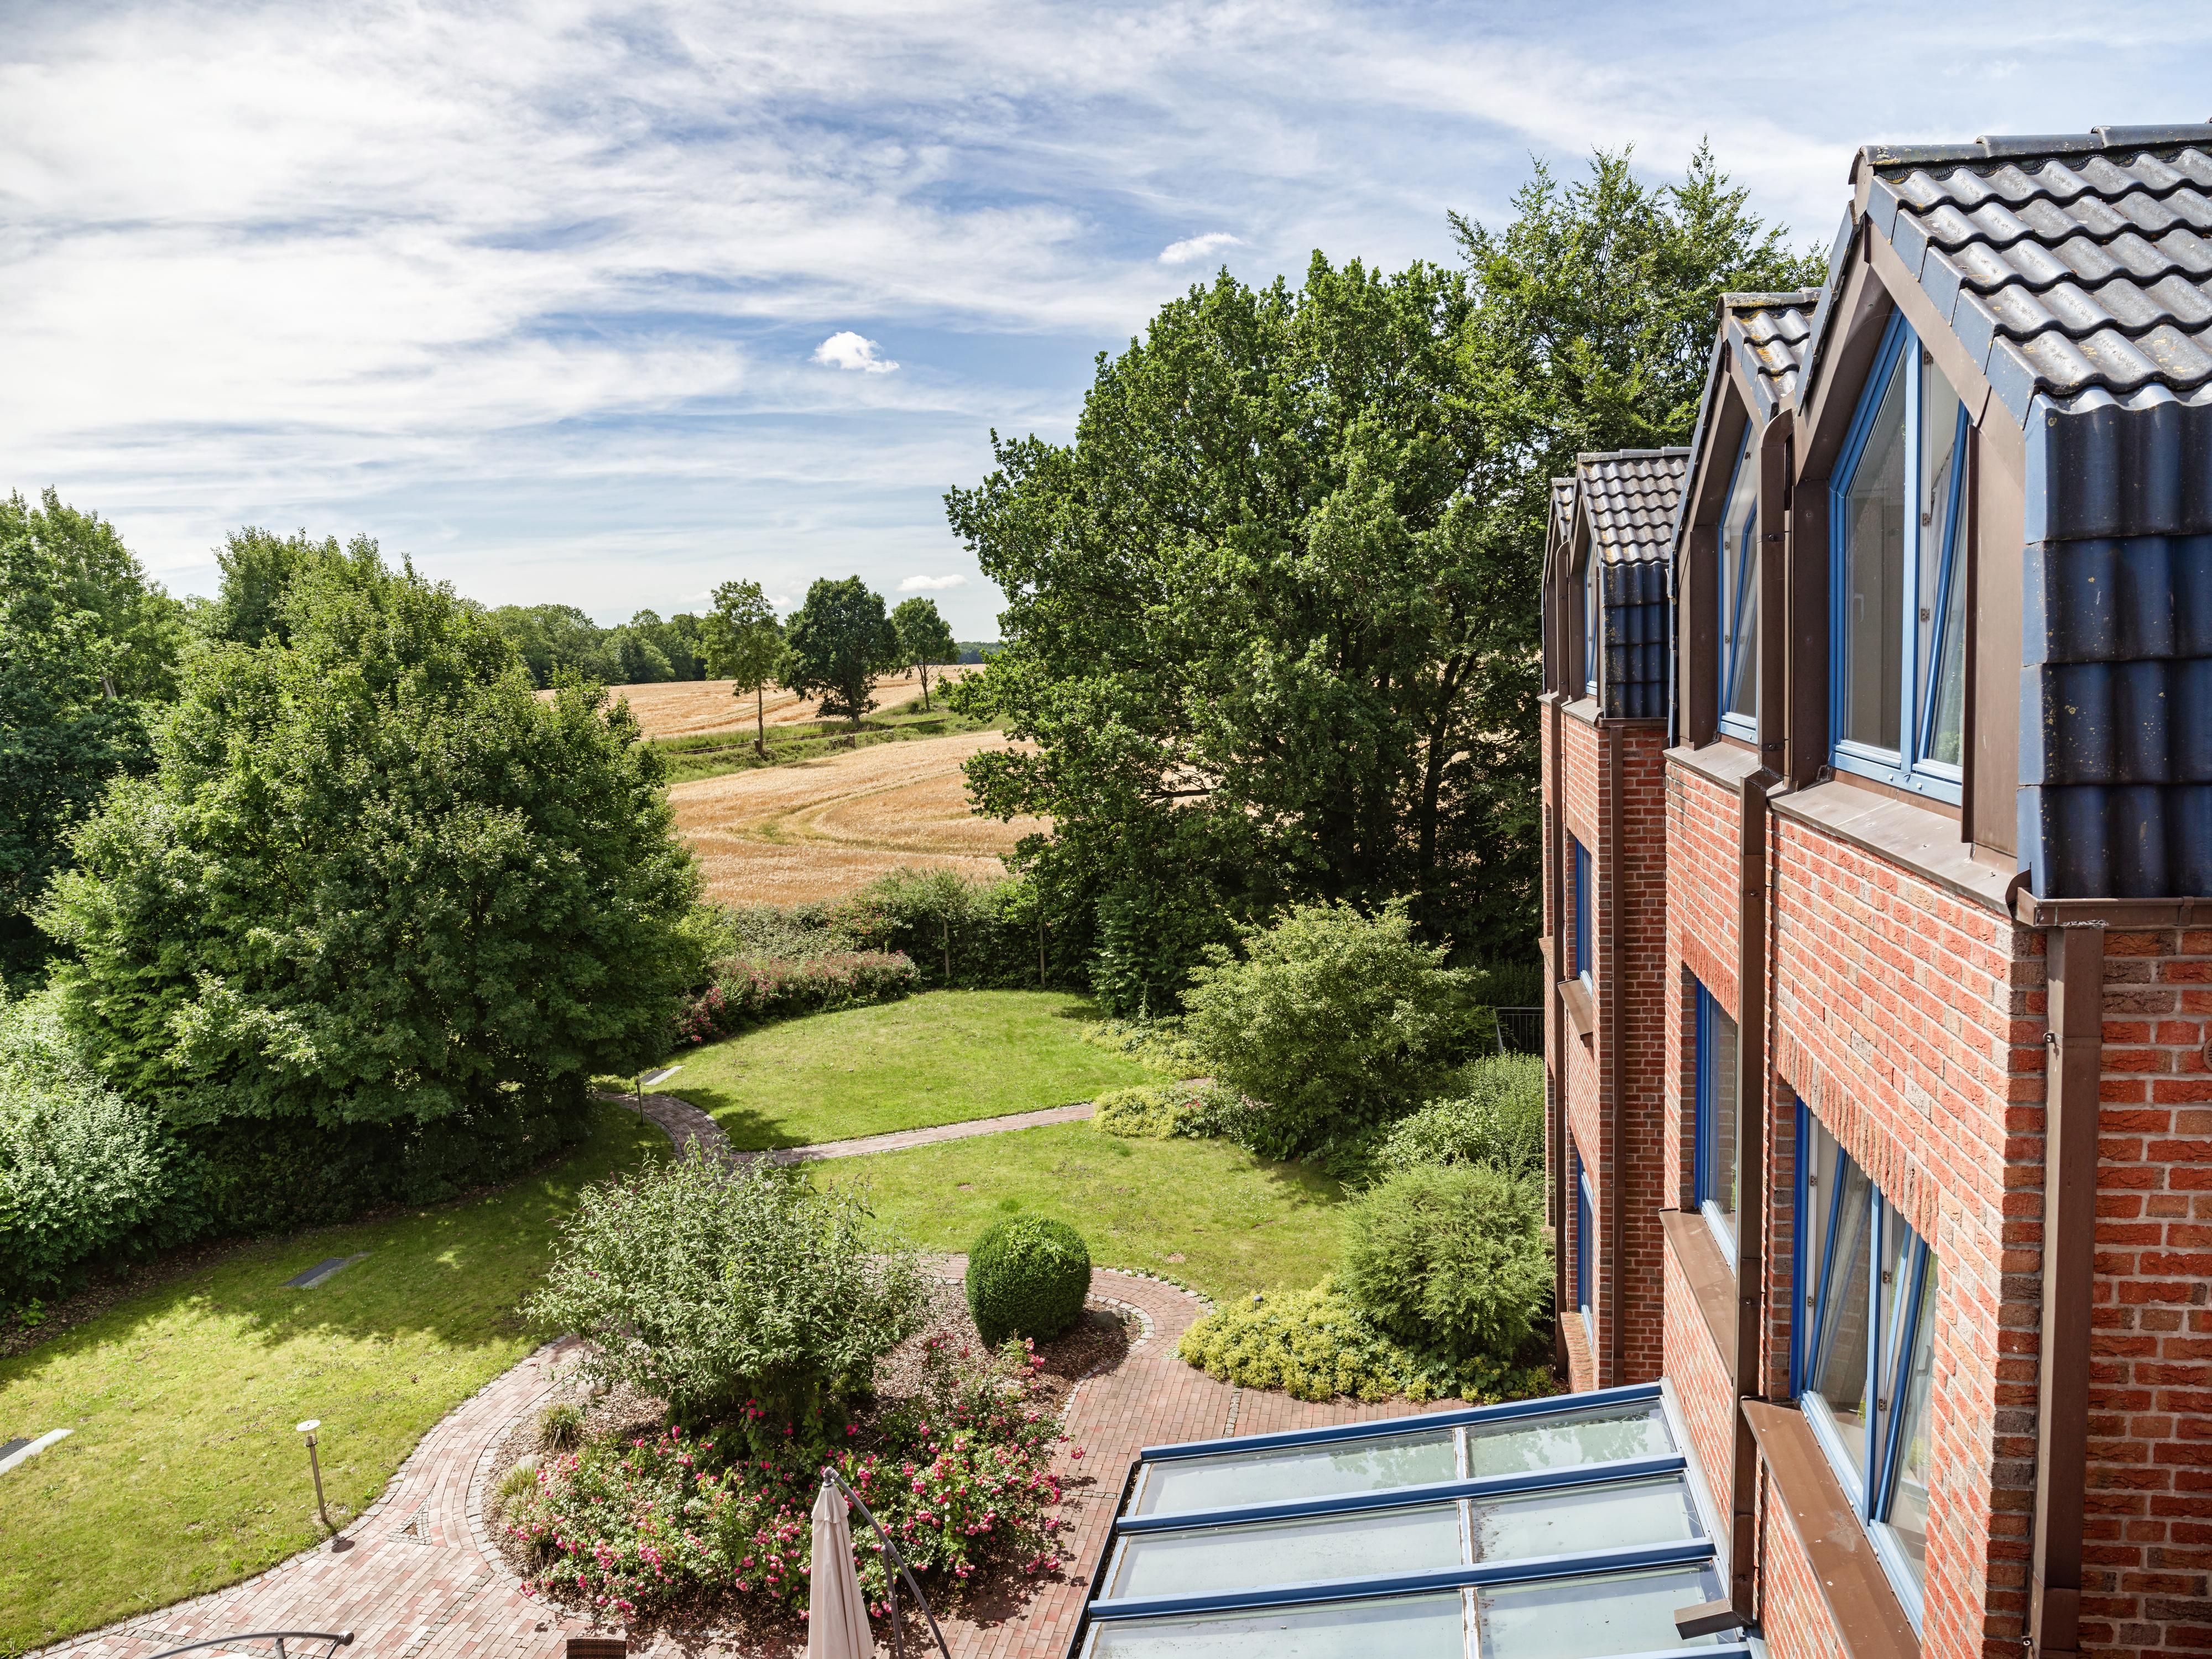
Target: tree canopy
[925,638]
[88,649]
[374,879]
[743,643]
[1272,616]
[837,644]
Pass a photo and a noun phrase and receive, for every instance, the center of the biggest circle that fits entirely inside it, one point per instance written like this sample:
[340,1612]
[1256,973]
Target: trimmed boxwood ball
[1027,1277]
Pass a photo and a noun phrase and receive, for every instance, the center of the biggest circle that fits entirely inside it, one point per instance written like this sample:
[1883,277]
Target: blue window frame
[1590,623]
[1862,1349]
[1718,1119]
[1898,577]
[1585,946]
[1738,586]
[1585,1225]
[1541,1529]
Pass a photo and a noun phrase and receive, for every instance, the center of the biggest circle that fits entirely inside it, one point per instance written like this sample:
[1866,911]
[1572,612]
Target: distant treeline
[642,650]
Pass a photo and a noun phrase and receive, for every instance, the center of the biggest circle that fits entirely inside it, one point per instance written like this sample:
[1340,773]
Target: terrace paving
[415,1577]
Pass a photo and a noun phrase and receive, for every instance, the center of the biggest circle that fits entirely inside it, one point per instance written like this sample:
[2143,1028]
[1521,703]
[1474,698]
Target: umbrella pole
[891,1557]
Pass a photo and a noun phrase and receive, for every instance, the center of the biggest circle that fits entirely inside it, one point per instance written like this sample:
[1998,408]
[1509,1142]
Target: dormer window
[1589,624]
[1900,576]
[1739,597]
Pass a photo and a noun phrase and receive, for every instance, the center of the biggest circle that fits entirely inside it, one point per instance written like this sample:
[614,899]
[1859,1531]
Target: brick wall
[2149,1531]
[1910,1021]
[1793,1615]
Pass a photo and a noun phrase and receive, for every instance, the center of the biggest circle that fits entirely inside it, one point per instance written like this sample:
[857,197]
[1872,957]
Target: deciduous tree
[837,644]
[743,642]
[924,637]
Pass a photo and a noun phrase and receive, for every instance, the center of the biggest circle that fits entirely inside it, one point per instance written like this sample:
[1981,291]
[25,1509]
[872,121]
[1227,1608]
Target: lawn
[1204,1212]
[184,1474]
[942,1057]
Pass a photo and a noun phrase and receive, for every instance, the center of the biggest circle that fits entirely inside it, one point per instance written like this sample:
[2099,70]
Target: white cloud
[931,584]
[847,349]
[1191,249]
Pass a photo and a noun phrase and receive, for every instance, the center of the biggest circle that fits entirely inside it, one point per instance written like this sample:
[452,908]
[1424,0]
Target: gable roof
[2071,266]
[1630,496]
[1768,334]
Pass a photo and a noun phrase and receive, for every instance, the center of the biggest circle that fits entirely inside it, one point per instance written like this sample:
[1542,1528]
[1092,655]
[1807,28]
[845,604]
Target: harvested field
[820,828]
[684,708]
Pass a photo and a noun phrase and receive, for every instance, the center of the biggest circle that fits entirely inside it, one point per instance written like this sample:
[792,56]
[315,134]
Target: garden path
[415,1578]
[684,1123]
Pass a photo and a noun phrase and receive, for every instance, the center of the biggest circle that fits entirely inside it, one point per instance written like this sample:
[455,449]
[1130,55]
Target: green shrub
[1027,1277]
[83,1172]
[1336,1020]
[748,992]
[1317,1344]
[517,1482]
[1497,1117]
[967,934]
[738,1295]
[1150,1112]
[1452,1259]
[560,1427]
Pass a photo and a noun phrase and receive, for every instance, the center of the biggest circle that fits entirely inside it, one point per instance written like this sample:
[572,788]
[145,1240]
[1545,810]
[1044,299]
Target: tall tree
[375,879]
[741,641]
[837,645]
[257,566]
[1272,617]
[88,648]
[925,638]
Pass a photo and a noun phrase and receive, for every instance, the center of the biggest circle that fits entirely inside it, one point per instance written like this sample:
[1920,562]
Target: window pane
[1615,1516]
[1368,1545]
[1406,1627]
[1739,588]
[1175,1485]
[1563,1443]
[1839,1365]
[1948,724]
[1899,1246]
[1719,1111]
[1583,1618]
[1590,627]
[1908,1509]
[1872,556]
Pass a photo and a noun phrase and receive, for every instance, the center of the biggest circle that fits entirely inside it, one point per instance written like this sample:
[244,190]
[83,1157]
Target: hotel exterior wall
[2146,1578]
[1703,822]
[1910,1020]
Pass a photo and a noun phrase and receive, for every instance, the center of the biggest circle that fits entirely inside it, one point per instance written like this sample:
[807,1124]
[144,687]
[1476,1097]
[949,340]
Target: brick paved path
[684,1123]
[415,1577]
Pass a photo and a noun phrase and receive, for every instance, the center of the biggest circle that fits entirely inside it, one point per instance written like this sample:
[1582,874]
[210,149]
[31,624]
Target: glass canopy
[1544,1529]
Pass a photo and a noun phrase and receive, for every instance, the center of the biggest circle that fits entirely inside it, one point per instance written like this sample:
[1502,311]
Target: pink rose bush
[959,1474]
[747,990]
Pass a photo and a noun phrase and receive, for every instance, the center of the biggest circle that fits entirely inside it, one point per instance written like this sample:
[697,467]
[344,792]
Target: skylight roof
[1544,1529]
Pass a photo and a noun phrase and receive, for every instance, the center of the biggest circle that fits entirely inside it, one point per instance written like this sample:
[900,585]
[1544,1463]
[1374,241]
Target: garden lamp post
[315,1468]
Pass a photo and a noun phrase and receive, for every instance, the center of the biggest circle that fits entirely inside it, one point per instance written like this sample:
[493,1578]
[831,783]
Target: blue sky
[603,304]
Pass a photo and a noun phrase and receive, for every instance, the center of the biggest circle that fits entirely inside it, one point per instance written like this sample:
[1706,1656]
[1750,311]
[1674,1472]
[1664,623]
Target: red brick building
[1877,792]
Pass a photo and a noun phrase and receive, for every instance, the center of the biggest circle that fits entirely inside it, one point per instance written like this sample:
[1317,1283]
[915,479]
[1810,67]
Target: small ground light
[315,1466]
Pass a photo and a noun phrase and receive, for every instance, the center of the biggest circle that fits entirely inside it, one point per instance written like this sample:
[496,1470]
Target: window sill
[1712,1280]
[1869,1620]
[1919,838]
[1582,1012]
[1722,762]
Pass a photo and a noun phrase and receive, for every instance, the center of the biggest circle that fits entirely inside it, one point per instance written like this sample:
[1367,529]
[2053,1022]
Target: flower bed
[958,1470]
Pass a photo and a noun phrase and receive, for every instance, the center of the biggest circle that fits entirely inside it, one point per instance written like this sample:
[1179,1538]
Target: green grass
[942,1057]
[1204,1212]
[185,1473]
[710,753]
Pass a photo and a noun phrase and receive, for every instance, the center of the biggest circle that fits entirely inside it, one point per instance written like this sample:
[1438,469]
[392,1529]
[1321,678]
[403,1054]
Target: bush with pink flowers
[749,990]
[959,1473]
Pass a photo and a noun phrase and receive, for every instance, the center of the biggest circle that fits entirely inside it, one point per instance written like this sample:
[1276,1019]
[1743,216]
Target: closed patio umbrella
[838,1614]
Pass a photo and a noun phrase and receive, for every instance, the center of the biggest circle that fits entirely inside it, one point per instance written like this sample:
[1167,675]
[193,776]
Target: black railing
[336,1638]
[1519,1030]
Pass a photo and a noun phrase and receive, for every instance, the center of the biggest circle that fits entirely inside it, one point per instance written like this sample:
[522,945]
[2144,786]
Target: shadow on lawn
[454,1273]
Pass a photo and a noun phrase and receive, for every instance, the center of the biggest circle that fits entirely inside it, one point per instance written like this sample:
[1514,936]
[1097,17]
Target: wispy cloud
[931,584]
[1191,249]
[847,349]
[536,289]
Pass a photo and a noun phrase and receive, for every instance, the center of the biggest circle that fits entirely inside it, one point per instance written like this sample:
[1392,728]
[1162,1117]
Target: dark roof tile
[1630,497]
[2069,265]
[1768,333]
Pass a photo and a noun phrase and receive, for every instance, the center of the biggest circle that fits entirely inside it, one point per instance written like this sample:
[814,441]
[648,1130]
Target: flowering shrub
[748,990]
[958,1475]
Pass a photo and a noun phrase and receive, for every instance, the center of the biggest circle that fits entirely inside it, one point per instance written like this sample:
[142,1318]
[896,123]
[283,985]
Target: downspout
[1610,1036]
[2075,974]
[1753,950]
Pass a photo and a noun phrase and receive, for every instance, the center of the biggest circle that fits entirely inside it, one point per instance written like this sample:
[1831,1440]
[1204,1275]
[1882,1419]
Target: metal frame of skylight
[1701,1550]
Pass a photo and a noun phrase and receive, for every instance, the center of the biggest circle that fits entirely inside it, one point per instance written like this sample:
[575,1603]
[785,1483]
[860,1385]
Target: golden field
[686,708]
[820,828]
